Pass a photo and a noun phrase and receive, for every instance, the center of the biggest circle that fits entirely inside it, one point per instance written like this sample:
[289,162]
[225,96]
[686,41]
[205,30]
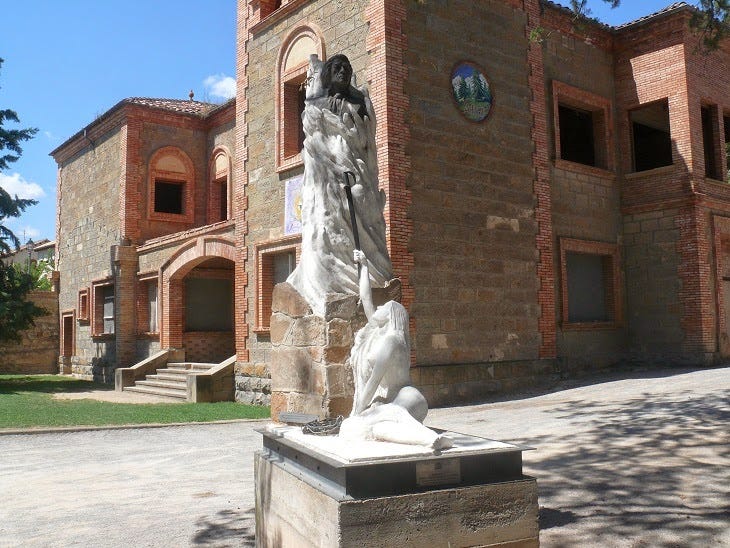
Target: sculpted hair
[327,68]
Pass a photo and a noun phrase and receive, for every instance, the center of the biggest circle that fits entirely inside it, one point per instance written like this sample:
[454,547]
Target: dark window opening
[590,289]
[710,144]
[577,137]
[169,197]
[301,96]
[68,336]
[652,142]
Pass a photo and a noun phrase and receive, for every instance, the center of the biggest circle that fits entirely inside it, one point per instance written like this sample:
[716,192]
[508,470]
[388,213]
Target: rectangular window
[293,103]
[576,135]
[168,197]
[103,296]
[83,305]
[582,127]
[652,142]
[275,262]
[590,283]
[711,143]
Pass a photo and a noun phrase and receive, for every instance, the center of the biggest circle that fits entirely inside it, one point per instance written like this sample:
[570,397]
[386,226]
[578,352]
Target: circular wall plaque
[471,91]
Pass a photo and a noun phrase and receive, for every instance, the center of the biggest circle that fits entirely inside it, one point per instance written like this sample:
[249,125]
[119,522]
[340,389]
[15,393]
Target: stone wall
[474,228]
[88,226]
[343,30]
[37,351]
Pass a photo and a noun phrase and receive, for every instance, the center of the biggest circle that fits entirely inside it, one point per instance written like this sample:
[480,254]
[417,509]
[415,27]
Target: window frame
[186,179]
[217,180]
[289,78]
[97,307]
[264,280]
[603,148]
[612,283]
[143,305]
[83,305]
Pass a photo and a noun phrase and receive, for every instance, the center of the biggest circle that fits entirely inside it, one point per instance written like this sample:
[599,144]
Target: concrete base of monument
[325,491]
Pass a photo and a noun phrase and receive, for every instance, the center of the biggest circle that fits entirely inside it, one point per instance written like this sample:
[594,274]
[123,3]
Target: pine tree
[16,313]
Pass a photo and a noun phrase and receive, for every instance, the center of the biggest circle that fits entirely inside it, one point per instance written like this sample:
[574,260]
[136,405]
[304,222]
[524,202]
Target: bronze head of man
[336,78]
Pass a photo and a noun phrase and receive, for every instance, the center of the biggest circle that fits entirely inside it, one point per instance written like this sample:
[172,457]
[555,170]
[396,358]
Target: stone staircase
[171,381]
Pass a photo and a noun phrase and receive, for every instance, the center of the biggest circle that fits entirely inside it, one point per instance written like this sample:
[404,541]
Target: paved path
[625,462]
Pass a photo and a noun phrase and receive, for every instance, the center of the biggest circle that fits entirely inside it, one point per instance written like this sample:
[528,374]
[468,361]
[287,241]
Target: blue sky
[68,61]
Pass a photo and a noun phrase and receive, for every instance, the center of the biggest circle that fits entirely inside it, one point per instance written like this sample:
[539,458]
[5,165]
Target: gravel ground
[637,460]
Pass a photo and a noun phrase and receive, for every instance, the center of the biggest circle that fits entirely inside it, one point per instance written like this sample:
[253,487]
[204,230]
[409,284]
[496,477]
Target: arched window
[294,55]
[219,190]
[171,186]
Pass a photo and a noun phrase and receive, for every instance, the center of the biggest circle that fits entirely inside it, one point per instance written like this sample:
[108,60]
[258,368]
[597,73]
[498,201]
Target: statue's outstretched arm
[366,293]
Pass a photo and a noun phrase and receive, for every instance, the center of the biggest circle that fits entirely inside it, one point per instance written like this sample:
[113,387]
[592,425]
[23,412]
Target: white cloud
[22,231]
[15,185]
[220,85]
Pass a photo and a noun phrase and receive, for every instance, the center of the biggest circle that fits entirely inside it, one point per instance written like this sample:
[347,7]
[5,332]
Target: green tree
[16,313]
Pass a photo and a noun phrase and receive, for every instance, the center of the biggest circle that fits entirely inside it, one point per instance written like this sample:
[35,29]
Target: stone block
[287,300]
[308,331]
[280,328]
[339,333]
[340,306]
[497,514]
[340,381]
[290,369]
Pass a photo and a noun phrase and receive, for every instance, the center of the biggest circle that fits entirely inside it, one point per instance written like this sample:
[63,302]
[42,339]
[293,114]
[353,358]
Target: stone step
[162,375]
[173,373]
[162,384]
[191,366]
[152,391]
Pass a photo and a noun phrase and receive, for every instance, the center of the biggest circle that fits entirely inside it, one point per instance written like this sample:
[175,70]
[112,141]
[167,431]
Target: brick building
[585,221]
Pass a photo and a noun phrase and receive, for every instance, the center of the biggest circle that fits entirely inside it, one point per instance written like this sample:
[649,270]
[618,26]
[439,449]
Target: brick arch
[172,274]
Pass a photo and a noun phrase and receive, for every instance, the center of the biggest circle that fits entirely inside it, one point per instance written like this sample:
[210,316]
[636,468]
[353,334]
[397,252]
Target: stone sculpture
[385,406]
[339,128]
[340,160]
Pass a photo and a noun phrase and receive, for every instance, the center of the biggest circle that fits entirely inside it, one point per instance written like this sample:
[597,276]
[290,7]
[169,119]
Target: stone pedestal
[323,491]
[309,370]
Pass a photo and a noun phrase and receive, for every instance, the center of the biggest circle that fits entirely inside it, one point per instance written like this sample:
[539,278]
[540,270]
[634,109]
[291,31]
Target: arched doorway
[198,303]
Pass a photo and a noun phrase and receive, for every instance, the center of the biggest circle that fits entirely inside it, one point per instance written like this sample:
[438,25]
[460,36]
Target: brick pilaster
[125,302]
[387,73]
[543,206]
[246,18]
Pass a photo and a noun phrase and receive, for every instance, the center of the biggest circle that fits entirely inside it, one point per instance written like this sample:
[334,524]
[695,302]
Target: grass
[27,401]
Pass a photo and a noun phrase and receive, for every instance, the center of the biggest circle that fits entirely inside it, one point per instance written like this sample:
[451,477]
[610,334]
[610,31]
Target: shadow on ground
[226,528]
[657,471]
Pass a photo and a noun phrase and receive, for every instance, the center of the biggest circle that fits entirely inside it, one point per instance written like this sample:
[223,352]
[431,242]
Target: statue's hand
[358,256]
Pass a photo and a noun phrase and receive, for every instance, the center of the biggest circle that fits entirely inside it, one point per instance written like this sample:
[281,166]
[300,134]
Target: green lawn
[27,401]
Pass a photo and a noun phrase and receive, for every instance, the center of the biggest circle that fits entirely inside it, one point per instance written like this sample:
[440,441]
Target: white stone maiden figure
[385,406]
[339,128]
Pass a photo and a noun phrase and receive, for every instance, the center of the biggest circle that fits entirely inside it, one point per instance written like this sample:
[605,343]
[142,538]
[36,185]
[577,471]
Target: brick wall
[208,346]
[37,351]
[472,188]
[585,199]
